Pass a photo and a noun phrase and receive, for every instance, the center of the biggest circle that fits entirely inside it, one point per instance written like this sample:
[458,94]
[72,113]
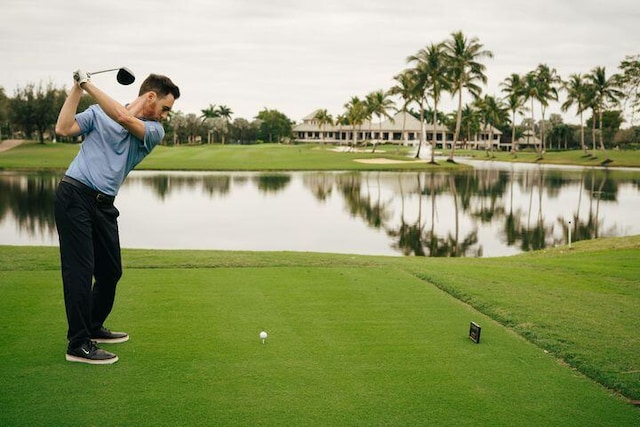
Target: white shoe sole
[110,340]
[71,358]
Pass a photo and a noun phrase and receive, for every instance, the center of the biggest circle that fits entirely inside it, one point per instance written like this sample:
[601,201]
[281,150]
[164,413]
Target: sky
[296,56]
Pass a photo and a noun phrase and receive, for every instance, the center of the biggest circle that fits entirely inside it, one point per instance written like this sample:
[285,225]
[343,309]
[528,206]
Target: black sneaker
[91,354]
[103,335]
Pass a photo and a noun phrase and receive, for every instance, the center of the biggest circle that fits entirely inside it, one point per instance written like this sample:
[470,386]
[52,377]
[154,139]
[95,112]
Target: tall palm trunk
[355,137]
[468,136]
[417,156]
[404,126]
[600,140]
[458,122]
[543,146]
[583,145]
[434,133]
[593,129]
[514,144]
[454,194]
[491,139]
[533,124]
[379,136]
[606,154]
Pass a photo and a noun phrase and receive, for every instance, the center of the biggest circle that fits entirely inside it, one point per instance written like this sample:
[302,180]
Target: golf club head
[125,76]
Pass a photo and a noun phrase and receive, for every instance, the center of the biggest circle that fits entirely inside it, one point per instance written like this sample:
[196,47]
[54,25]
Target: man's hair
[162,85]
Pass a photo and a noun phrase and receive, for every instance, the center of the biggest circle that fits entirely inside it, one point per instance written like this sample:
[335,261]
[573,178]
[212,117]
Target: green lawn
[353,340]
[225,158]
[33,155]
[612,158]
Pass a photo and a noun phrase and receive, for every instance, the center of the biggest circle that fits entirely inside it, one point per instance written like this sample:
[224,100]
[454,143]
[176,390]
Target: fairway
[349,344]
[313,157]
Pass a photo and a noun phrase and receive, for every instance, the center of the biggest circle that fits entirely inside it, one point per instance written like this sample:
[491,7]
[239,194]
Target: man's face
[157,108]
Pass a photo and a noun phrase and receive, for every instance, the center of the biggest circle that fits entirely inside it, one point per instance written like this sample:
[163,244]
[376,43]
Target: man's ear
[151,96]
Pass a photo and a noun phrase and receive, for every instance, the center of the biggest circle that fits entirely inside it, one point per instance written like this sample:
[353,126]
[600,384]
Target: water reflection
[26,202]
[489,211]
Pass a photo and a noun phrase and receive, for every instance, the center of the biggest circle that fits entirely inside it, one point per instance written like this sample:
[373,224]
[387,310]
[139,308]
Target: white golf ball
[263,335]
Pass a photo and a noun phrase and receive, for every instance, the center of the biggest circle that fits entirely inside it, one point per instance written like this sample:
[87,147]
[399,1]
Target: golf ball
[263,335]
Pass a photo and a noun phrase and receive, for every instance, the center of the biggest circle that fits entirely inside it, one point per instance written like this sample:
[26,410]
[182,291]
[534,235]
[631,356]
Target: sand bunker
[383,161]
[8,144]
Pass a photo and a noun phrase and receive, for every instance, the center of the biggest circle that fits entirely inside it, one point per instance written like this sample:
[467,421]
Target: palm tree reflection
[422,213]
[360,202]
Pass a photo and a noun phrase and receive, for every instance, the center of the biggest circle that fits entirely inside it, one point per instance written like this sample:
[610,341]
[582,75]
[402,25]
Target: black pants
[87,226]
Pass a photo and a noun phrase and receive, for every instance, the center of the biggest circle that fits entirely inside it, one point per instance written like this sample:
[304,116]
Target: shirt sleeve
[85,120]
[153,135]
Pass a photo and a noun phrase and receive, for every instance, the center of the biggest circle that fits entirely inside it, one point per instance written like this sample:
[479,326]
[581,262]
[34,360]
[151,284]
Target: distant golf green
[353,340]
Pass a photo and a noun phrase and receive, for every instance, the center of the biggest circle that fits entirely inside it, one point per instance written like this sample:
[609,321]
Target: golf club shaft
[104,71]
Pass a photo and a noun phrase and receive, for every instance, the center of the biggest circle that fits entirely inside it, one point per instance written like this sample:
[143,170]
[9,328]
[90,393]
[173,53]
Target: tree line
[32,113]
[216,124]
[454,66]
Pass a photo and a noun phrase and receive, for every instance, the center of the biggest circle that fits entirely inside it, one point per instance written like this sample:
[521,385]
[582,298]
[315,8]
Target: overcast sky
[299,55]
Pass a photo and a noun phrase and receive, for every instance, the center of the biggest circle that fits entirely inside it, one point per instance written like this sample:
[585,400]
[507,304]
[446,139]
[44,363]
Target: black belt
[100,197]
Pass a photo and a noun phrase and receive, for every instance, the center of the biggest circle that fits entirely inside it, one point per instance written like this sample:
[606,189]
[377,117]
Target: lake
[494,210]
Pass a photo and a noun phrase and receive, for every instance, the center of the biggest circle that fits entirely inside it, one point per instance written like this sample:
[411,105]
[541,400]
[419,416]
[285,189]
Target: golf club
[124,76]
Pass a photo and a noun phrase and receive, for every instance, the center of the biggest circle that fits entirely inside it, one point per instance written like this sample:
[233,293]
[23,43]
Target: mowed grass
[353,340]
[611,158]
[265,157]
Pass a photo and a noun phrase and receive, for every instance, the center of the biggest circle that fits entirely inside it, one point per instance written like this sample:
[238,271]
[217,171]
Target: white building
[528,140]
[403,129]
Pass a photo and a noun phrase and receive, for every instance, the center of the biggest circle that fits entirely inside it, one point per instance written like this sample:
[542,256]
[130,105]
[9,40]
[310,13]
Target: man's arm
[126,117]
[66,124]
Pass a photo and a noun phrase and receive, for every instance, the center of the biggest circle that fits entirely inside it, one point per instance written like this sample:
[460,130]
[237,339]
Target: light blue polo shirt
[109,152]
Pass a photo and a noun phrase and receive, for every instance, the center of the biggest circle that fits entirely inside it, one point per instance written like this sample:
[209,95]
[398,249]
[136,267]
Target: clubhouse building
[403,129]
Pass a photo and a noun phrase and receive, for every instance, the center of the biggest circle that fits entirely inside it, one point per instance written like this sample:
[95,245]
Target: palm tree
[590,102]
[530,92]
[323,118]
[419,83]
[576,95]
[225,113]
[341,119]
[356,115]
[431,65]
[547,81]
[512,86]
[630,84]
[463,56]
[494,113]
[606,92]
[366,136]
[470,121]
[380,104]
[209,113]
[559,133]
[404,88]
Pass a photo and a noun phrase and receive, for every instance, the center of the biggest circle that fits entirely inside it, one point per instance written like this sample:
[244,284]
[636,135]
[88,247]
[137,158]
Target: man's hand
[81,77]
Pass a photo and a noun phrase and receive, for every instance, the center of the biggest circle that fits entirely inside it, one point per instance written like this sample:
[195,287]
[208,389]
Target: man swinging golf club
[116,139]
